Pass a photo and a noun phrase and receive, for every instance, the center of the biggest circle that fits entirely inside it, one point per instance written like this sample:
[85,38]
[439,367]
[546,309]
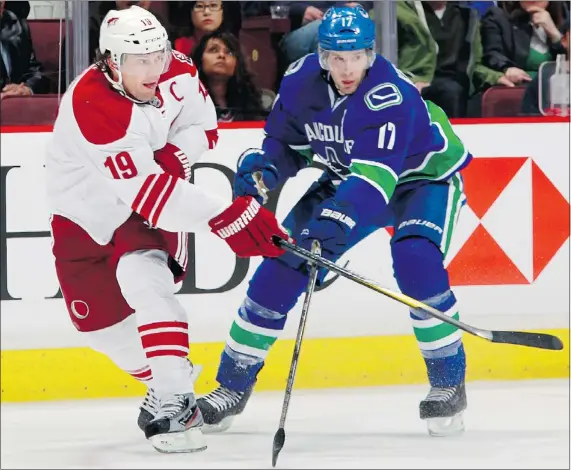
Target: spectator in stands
[439,47]
[530,102]
[224,72]
[480,6]
[20,71]
[565,38]
[519,36]
[305,19]
[205,17]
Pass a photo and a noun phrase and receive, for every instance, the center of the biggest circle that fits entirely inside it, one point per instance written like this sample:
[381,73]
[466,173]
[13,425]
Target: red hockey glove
[173,161]
[248,228]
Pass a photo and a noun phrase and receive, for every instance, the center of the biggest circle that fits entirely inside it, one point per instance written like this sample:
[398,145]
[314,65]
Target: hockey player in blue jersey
[393,160]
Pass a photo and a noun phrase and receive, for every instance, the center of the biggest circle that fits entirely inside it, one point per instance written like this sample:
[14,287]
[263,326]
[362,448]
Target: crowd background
[472,58]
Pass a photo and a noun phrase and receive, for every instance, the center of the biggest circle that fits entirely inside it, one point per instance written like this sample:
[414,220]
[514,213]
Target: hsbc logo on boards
[514,223]
[502,236]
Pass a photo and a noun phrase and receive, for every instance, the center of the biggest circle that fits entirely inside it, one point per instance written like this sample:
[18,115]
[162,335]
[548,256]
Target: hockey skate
[443,410]
[150,405]
[148,409]
[221,406]
[177,426]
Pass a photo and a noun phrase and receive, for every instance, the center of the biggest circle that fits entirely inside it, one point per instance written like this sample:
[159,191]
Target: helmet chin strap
[118,85]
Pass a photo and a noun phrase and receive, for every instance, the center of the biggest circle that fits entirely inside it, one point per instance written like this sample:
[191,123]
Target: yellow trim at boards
[52,374]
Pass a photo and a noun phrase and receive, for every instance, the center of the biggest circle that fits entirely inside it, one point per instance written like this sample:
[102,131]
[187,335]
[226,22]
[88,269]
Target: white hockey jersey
[100,163]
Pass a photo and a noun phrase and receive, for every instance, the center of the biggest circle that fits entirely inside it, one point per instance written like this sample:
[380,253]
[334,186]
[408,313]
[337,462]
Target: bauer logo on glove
[338,216]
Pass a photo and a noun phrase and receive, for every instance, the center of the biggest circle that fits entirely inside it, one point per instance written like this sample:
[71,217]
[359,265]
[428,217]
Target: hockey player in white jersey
[118,166]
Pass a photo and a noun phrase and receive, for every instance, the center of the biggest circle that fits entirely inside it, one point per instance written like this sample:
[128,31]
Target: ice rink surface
[521,424]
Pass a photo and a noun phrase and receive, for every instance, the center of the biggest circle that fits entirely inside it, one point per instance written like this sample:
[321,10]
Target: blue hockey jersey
[382,135]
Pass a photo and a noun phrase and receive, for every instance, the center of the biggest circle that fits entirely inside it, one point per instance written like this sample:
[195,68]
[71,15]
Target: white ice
[520,424]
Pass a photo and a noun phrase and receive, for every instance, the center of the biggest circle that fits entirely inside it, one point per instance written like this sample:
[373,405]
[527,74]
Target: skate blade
[444,427]
[222,426]
[191,440]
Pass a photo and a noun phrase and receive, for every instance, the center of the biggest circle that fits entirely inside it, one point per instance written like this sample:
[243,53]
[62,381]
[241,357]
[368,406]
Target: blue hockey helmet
[346,29]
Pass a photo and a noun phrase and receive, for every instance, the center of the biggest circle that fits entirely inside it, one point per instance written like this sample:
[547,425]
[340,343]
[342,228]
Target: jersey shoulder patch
[102,114]
[180,65]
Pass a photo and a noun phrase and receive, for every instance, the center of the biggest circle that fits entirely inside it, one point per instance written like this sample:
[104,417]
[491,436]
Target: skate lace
[223,398]
[441,393]
[170,407]
[150,402]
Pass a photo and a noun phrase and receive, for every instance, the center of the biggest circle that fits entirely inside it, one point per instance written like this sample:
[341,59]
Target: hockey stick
[521,338]
[279,437]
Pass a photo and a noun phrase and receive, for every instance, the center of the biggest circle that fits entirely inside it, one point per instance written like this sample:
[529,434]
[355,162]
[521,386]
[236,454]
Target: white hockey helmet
[133,31]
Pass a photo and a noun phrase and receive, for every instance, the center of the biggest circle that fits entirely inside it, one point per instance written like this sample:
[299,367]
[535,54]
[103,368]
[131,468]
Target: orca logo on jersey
[383,96]
[324,132]
[241,222]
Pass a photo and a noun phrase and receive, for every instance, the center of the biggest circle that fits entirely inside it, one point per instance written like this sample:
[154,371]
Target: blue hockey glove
[250,161]
[331,226]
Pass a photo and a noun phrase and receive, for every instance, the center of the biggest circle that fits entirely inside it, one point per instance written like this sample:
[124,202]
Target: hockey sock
[148,286]
[273,292]
[420,273]
[121,343]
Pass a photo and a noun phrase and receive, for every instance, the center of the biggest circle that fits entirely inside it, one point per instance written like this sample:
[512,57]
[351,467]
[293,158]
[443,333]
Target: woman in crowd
[519,36]
[224,72]
[199,18]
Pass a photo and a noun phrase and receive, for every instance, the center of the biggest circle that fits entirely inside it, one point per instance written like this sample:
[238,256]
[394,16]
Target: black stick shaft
[279,438]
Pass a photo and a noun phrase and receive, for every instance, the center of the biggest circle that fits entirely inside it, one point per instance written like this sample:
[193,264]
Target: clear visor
[150,65]
[346,60]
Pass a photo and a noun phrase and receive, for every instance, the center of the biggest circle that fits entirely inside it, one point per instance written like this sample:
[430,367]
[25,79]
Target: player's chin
[349,90]
[146,93]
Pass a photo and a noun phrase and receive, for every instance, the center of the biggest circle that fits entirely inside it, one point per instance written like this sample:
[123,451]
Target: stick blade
[532,340]
[279,440]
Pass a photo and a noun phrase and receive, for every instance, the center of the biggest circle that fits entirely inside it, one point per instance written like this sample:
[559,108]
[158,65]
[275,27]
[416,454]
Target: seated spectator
[439,48]
[224,72]
[305,19]
[203,17]
[519,36]
[480,6]
[530,103]
[20,71]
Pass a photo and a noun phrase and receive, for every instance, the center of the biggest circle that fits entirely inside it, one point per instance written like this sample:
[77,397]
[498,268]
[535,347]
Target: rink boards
[508,263]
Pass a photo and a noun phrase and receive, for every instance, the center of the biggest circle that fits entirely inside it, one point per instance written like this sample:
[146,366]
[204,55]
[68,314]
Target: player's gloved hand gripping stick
[530,339]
